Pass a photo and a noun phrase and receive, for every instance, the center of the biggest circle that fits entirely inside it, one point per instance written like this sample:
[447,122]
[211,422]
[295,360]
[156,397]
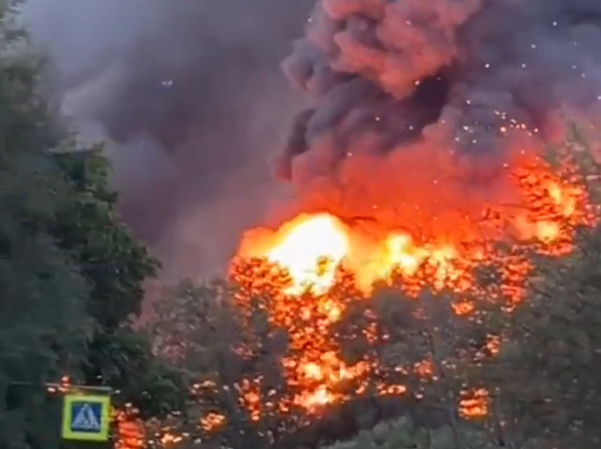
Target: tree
[44,326]
[115,266]
[404,433]
[231,355]
[545,376]
[543,382]
[71,274]
[246,347]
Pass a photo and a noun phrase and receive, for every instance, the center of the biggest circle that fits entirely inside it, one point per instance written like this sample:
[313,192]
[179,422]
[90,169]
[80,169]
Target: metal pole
[58,386]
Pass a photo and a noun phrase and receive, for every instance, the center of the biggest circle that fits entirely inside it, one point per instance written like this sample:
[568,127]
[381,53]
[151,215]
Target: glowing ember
[212,421]
[129,430]
[474,404]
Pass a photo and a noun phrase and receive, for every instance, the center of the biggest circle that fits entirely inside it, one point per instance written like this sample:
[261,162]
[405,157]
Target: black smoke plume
[413,96]
[405,97]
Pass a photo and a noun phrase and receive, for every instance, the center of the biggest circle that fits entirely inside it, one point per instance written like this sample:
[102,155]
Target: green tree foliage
[545,379]
[544,383]
[71,274]
[405,434]
[201,330]
[114,265]
[44,326]
[230,349]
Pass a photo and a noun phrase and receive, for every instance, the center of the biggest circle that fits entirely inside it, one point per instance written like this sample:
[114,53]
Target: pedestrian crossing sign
[86,418]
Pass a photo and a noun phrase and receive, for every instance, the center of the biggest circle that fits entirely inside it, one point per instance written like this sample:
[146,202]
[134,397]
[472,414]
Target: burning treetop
[312,246]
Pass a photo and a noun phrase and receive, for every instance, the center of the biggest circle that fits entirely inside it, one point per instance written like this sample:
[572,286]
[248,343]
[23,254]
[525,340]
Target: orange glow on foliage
[129,430]
[304,276]
[320,254]
[474,404]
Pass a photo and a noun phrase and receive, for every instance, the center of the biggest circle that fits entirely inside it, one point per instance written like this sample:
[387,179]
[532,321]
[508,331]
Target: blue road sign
[86,418]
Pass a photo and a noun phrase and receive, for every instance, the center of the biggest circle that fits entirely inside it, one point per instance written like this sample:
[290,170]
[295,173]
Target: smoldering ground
[192,101]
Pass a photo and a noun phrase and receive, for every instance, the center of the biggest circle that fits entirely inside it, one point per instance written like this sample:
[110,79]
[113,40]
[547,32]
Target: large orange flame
[312,247]
[309,247]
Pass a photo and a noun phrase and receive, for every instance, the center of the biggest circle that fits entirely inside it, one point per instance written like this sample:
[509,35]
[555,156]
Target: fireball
[309,248]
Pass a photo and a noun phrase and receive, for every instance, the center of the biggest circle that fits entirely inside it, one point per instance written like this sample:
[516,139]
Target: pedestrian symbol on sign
[86,418]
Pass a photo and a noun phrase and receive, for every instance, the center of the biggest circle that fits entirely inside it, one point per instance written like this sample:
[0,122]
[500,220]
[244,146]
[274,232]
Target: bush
[403,433]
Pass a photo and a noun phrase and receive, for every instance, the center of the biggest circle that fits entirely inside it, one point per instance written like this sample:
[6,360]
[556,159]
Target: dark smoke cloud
[191,97]
[405,96]
[411,96]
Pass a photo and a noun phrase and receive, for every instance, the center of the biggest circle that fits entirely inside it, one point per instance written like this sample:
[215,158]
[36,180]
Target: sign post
[86,417]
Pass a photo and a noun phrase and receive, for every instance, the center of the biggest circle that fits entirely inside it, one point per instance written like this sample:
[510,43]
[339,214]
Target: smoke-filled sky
[405,97]
[193,99]
[420,106]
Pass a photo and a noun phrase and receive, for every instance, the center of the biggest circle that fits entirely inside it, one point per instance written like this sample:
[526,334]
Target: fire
[307,274]
[309,247]
[129,430]
[313,248]
[474,404]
